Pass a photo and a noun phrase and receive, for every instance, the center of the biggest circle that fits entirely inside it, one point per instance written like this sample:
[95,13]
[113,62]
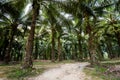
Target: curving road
[71,71]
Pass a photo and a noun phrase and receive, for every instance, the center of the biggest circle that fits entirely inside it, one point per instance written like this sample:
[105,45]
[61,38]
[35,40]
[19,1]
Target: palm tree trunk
[100,53]
[118,37]
[91,44]
[109,48]
[75,52]
[1,54]
[53,45]
[80,47]
[92,50]
[9,46]
[3,48]
[36,48]
[28,63]
[59,49]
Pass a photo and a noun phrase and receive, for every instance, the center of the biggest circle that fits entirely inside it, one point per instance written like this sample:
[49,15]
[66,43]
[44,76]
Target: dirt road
[69,71]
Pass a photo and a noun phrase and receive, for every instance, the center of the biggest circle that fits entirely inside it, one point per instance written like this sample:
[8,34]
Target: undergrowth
[21,74]
[101,71]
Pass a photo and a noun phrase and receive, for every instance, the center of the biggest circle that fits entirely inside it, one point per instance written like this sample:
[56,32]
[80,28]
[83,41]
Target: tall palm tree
[28,63]
[29,46]
[108,9]
[82,10]
[11,9]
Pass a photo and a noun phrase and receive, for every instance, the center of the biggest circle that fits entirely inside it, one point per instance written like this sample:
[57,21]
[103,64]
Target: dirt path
[71,71]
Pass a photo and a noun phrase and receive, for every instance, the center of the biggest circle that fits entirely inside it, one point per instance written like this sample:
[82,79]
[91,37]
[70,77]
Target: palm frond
[117,6]
[4,18]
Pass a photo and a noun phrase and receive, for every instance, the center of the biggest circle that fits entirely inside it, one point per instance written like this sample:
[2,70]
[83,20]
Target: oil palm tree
[55,22]
[28,63]
[38,5]
[82,10]
[9,8]
[109,9]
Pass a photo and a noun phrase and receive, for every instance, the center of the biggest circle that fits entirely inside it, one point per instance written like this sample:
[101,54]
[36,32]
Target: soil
[68,71]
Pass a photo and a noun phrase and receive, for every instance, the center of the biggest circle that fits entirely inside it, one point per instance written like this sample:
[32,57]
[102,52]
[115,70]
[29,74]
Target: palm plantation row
[59,30]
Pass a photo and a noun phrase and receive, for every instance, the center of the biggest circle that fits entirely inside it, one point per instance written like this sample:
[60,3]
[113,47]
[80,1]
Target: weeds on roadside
[102,71]
[20,74]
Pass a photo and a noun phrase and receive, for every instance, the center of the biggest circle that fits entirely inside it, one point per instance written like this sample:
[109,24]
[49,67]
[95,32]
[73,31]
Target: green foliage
[23,73]
[100,71]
